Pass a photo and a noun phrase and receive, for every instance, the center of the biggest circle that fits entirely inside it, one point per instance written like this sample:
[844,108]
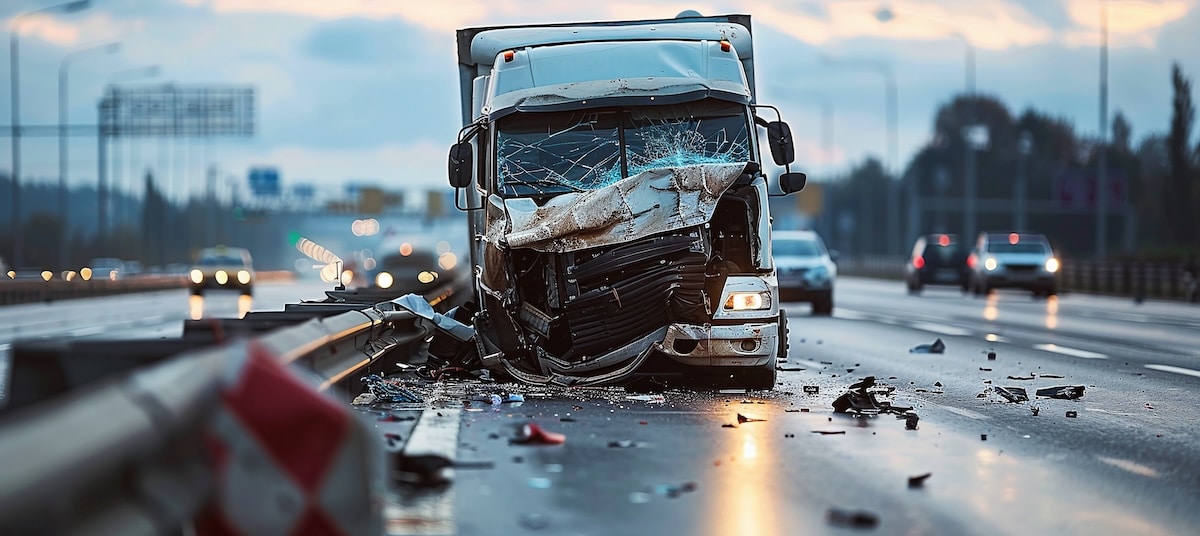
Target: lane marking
[940,329]
[849,314]
[84,332]
[959,411]
[807,363]
[1073,352]
[436,434]
[1131,466]
[1176,370]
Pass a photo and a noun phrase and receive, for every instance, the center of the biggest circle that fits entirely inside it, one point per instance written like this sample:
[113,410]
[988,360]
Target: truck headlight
[989,263]
[1052,265]
[197,276]
[222,277]
[243,277]
[748,301]
[383,280]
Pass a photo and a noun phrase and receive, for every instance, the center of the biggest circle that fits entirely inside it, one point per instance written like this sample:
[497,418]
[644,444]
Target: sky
[366,91]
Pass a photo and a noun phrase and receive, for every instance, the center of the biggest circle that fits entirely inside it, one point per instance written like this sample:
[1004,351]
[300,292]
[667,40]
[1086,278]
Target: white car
[1013,260]
[805,269]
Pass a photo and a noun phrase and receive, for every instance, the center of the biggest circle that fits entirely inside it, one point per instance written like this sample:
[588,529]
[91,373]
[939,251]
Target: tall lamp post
[63,72]
[14,64]
[970,212]
[1102,174]
[890,105]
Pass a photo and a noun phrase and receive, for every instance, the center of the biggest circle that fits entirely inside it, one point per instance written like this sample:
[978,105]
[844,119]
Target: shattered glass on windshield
[560,152]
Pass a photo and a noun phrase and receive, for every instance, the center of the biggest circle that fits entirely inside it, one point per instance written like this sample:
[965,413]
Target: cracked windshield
[560,152]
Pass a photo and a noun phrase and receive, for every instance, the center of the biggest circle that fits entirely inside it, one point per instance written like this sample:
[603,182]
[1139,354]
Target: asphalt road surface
[633,463]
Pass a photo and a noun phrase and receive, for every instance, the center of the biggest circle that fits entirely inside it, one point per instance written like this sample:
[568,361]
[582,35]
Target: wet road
[1125,464]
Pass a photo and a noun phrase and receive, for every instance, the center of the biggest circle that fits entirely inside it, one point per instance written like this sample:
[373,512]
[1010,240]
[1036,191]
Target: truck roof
[478,47]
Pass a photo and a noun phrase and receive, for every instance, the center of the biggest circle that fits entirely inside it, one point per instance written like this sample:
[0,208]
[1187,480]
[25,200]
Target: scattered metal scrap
[1012,394]
[919,480]
[859,519]
[1065,392]
[860,398]
[936,347]
[387,390]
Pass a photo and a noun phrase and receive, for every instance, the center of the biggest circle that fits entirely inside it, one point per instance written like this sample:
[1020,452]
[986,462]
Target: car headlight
[989,263]
[383,280]
[197,276]
[1052,265]
[748,301]
[222,277]
[243,277]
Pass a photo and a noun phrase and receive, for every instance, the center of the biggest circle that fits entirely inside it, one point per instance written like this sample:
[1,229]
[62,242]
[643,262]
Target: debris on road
[985,369]
[364,399]
[1056,376]
[429,470]
[983,437]
[858,519]
[673,490]
[1031,376]
[1035,410]
[387,390]
[625,444]
[1012,394]
[829,432]
[919,480]
[533,521]
[1072,414]
[727,425]
[744,419]
[860,398]
[910,421]
[532,434]
[991,356]
[936,347]
[656,399]
[812,389]
[1065,392]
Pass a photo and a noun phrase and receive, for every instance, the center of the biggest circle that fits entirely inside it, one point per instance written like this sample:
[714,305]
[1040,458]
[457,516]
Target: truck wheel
[761,377]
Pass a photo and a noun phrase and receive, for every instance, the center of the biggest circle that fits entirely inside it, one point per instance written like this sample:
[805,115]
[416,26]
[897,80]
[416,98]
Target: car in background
[405,264]
[804,269]
[222,267]
[937,259]
[1013,260]
[107,268]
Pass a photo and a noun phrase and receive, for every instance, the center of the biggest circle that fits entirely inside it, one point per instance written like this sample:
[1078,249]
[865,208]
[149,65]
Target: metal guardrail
[125,455]
[1147,279]
[17,291]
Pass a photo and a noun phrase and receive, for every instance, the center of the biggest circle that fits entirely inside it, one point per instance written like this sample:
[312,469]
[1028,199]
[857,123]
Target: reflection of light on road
[746,504]
[990,313]
[991,337]
[196,307]
[1132,467]
[244,303]
[1052,312]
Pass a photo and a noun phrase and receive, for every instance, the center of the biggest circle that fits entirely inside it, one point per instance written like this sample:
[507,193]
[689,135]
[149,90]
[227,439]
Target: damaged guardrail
[134,453]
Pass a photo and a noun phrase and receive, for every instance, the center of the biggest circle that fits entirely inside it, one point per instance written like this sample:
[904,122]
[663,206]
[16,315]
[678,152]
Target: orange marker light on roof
[1013,238]
[726,46]
[509,55]
[943,240]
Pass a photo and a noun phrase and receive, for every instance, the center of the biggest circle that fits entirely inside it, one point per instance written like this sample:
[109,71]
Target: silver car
[805,269]
[1013,260]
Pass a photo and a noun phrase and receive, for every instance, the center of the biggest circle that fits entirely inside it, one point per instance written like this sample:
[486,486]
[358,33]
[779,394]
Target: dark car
[937,259]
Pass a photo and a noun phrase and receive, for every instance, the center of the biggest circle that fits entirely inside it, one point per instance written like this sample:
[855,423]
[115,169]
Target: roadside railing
[58,288]
[1147,279]
[131,454]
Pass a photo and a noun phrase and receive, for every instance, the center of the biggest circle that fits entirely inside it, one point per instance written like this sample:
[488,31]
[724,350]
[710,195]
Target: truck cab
[614,184]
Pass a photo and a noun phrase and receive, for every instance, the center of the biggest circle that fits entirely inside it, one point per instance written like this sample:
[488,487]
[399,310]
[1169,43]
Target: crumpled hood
[651,202]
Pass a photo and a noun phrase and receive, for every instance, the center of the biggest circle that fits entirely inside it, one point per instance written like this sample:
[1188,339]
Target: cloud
[434,15]
[1130,23]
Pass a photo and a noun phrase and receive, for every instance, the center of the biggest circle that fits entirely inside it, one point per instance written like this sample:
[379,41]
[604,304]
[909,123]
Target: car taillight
[972,261]
[918,262]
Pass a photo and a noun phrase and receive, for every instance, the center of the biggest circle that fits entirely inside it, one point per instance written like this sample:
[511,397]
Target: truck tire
[761,377]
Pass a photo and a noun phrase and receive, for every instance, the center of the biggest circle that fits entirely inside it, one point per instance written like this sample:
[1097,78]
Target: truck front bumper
[740,345]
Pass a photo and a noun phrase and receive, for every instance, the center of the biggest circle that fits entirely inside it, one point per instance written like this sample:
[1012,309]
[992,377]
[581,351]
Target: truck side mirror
[792,182]
[461,158]
[779,135]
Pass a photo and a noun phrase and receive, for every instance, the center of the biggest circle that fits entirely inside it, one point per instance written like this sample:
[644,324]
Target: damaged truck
[617,201]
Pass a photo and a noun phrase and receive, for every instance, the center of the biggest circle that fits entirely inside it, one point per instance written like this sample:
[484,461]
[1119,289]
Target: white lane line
[959,411]
[436,434]
[805,362]
[1073,352]
[84,332]
[1176,370]
[849,314]
[940,329]
[1131,466]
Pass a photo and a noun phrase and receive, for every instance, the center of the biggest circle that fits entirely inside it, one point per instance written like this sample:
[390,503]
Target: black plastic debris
[430,470]
[859,398]
[1012,394]
[386,390]
[1035,410]
[983,437]
[811,389]
[1065,392]
[937,384]
[727,425]
[789,435]
[910,421]
[829,432]
[625,444]
[1029,377]
[674,490]
[744,419]
[1072,414]
[936,347]
[919,480]
[857,519]
[1055,376]
[985,369]
[991,356]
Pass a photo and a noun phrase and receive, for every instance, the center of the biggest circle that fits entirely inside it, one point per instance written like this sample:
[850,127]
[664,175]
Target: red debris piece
[532,434]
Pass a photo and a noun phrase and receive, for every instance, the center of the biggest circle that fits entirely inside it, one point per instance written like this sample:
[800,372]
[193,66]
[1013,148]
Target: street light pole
[14,65]
[146,71]
[1102,174]
[64,213]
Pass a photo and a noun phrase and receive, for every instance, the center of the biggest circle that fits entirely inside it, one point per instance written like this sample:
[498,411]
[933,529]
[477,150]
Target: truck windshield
[558,152]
